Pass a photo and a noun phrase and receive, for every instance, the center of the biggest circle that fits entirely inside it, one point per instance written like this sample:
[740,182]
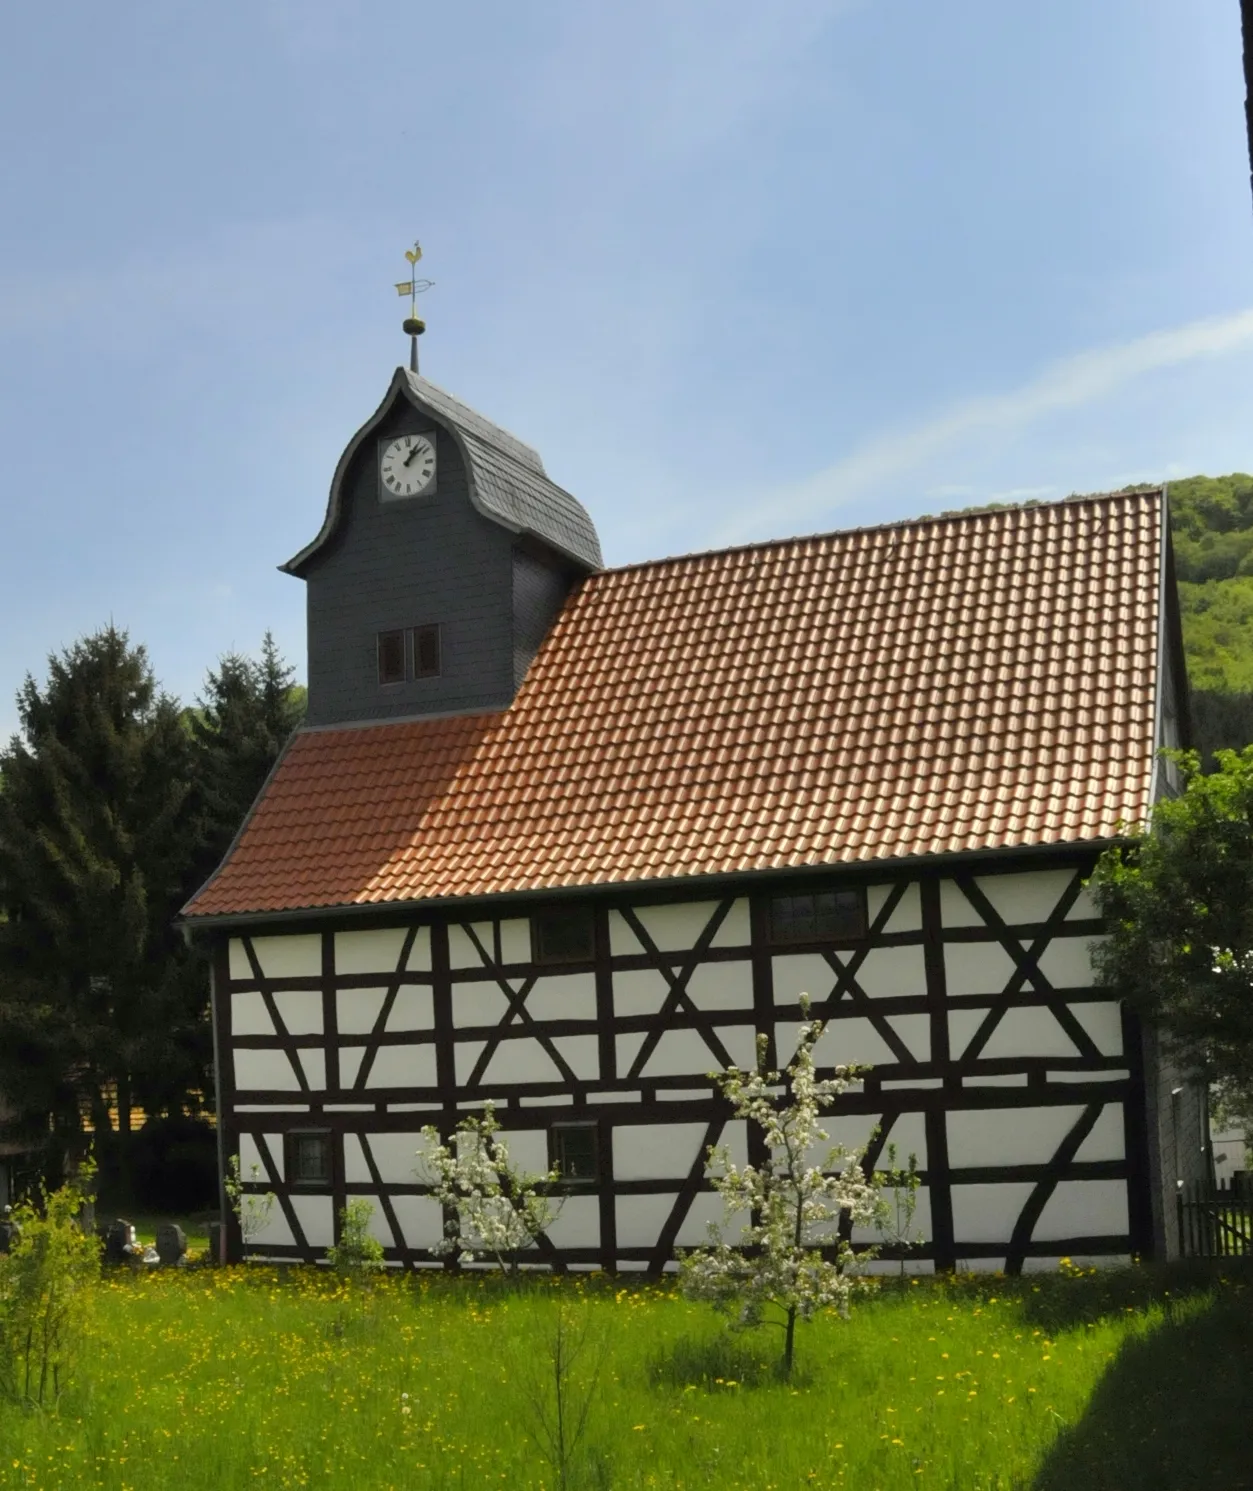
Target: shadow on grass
[1172,1413]
[1058,1302]
[723,1361]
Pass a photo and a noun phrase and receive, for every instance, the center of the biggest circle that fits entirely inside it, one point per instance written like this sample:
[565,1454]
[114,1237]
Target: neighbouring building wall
[1015,1081]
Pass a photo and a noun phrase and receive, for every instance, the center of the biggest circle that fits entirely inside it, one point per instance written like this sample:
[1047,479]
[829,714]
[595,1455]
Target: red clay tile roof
[964,683]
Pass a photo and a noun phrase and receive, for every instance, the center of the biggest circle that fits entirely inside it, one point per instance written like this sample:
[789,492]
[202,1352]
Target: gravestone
[214,1250]
[171,1244]
[117,1241]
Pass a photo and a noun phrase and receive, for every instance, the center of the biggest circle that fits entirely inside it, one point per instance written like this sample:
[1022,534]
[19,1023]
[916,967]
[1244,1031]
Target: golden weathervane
[413,287]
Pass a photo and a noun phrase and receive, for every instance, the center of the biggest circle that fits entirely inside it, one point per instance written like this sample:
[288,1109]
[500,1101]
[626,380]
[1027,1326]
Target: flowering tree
[790,1261]
[495,1210]
[252,1208]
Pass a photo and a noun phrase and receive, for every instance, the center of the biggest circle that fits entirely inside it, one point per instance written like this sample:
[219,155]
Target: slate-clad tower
[474,563]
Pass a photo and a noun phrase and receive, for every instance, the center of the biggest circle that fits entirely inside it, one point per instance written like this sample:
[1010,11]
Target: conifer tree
[96,986]
[244,717]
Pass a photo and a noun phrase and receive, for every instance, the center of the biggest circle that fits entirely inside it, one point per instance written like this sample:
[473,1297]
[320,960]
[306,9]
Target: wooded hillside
[1212,520]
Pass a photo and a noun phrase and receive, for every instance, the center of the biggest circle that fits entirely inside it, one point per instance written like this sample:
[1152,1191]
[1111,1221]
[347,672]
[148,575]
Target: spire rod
[413,287]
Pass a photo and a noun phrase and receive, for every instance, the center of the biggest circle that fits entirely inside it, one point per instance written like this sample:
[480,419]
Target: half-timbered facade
[580,856]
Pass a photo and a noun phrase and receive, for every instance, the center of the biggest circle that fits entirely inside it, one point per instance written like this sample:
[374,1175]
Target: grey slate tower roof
[507,479]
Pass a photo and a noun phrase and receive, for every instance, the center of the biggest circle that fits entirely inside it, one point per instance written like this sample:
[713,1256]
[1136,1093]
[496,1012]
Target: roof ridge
[966,514]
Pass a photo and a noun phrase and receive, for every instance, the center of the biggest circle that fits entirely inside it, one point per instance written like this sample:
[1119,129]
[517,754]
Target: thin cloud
[1083,379]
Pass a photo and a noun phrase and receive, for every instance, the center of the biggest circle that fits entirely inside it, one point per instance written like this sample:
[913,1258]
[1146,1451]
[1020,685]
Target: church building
[569,837]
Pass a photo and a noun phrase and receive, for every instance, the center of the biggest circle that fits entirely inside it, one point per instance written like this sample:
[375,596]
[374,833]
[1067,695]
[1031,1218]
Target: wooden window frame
[587,1126]
[417,634]
[290,1140]
[855,932]
[545,957]
[381,638]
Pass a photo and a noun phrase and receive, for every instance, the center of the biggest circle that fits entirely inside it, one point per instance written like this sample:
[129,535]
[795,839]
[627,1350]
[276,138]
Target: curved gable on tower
[505,477]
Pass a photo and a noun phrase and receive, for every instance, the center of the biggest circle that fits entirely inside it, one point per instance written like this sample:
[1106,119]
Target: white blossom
[493,1210]
[789,1256]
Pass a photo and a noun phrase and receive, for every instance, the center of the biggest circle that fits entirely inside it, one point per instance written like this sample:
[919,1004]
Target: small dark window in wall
[426,652]
[818,916]
[391,657]
[574,1151]
[309,1159]
[564,936]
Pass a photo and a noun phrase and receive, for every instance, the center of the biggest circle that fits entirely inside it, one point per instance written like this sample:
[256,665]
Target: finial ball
[413,326]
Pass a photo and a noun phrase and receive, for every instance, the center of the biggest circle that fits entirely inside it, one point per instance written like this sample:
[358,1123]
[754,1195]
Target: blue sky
[738,270]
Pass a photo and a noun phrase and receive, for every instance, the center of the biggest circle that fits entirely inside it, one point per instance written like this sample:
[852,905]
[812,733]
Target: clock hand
[411,455]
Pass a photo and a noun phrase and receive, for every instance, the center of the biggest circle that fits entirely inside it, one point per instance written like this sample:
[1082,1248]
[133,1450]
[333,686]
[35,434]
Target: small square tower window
[818,916]
[574,1152]
[563,935]
[426,652]
[309,1158]
[391,654]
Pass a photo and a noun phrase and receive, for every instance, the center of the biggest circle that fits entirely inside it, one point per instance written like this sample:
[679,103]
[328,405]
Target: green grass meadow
[248,1377]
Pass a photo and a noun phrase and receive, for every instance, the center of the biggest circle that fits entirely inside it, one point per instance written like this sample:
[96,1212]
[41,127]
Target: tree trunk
[789,1341]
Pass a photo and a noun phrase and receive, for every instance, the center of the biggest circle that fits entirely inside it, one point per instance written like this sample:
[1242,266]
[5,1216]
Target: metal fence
[1216,1221]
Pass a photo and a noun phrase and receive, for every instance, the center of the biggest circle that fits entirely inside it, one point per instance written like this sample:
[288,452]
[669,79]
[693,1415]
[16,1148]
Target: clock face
[407,467]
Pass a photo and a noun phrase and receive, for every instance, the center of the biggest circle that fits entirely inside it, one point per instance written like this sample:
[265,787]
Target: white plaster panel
[721,986]
[1084,1208]
[853,1130]
[578,1225]
[412,1009]
[891,972]
[675,928]
[801,973]
[420,952]
[376,951]
[1087,1077]
[955,909]
[1023,899]
[1067,962]
[908,1133]
[403,1066]
[522,1060]
[462,953]
[977,968]
[238,965]
[396,1156]
[528,1149]
[357,1009]
[1085,906]
[289,957]
[1108,1139]
[735,930]
[275,1234]
[997,1079]
[1103,1022]
[920,1229]
[581,1053]
[707,1207]
[478,1004]
[681,1053]
[356,1171]
[313,1060]
[250,1156]
[855,1042]
[349,1064]
[641,1218]
[300,1010]
[641,991]
[987,1213]
[1021,1032]
[261,1071]
[515,940]
[656,1151]
[421,1220]
[316,1215]
[628,1049]
[741,1045]
[908,915]
[1008,1136]
[249,1015]
[271,1107]
[563,996]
